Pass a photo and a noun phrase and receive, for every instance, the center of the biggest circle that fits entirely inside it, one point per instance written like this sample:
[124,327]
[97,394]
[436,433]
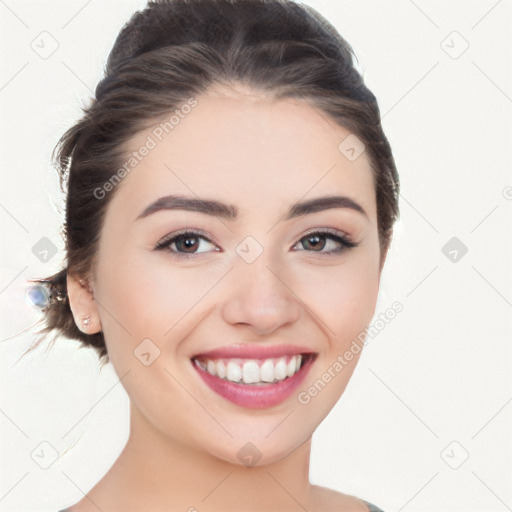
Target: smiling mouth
[254,372]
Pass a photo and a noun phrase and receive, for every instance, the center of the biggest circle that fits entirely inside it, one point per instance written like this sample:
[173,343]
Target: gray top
[371,508]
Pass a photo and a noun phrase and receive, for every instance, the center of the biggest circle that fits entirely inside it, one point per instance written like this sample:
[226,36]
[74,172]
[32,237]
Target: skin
[236,146]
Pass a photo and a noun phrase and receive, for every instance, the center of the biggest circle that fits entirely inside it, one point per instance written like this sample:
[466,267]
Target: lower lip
[253,396]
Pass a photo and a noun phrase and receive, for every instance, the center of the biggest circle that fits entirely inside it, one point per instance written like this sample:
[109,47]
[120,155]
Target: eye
[184,244]
[318,240]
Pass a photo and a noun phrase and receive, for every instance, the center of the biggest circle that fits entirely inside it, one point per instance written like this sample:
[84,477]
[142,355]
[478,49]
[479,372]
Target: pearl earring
[86,321]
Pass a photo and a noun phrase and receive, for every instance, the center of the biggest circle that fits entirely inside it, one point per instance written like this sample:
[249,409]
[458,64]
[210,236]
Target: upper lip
[254,351]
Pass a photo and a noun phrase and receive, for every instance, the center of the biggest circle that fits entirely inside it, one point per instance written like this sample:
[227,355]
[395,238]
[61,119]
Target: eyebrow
[230,212]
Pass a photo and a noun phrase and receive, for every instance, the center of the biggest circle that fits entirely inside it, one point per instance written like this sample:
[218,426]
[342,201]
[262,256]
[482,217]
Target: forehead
[247,149]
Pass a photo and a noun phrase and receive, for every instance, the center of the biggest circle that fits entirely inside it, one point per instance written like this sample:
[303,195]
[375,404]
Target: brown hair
[173,50]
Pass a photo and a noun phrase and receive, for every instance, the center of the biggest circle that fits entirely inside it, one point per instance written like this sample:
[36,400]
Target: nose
[260,298]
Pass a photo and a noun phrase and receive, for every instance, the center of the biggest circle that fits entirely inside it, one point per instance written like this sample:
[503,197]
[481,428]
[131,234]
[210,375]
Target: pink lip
[254,351]
[253,396]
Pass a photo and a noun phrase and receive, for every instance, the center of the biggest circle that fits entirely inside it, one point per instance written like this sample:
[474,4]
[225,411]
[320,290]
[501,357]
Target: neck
[155,472]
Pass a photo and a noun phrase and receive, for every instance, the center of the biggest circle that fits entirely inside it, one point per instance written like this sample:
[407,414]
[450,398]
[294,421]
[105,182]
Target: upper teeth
[252,371]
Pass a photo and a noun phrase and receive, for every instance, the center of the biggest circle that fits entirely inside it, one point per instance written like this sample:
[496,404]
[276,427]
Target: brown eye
[319,240]
[184,244]
[314,241]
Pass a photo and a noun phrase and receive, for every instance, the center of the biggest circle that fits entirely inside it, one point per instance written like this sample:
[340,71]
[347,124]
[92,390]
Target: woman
[230,203]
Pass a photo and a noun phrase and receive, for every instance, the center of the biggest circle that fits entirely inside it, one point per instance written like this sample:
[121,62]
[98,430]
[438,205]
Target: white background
[439,373]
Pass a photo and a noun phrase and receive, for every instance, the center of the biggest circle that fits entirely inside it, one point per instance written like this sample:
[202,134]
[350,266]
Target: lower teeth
[258,383]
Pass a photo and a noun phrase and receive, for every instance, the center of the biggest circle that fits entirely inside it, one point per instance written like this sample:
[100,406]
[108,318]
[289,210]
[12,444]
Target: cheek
[124,299]
[343,304]
[342,297]
[148,296]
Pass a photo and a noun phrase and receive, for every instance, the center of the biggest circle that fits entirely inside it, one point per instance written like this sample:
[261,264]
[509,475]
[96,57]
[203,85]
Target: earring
[86,321]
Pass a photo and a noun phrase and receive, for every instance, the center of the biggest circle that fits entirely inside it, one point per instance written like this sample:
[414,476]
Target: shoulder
[372,507]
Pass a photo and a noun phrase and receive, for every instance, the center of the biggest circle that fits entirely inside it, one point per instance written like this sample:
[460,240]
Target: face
[255,290]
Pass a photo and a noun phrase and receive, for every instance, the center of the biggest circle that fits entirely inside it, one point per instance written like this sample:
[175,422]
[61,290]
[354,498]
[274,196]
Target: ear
[82,304]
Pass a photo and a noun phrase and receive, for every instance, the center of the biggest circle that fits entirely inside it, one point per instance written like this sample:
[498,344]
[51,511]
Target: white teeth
[233,372]
[221,369]
[252,371]
[267,371]
[280,371]
[291,366]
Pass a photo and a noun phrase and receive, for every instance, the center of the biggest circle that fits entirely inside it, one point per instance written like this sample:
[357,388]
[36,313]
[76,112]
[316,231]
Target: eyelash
[337,236]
